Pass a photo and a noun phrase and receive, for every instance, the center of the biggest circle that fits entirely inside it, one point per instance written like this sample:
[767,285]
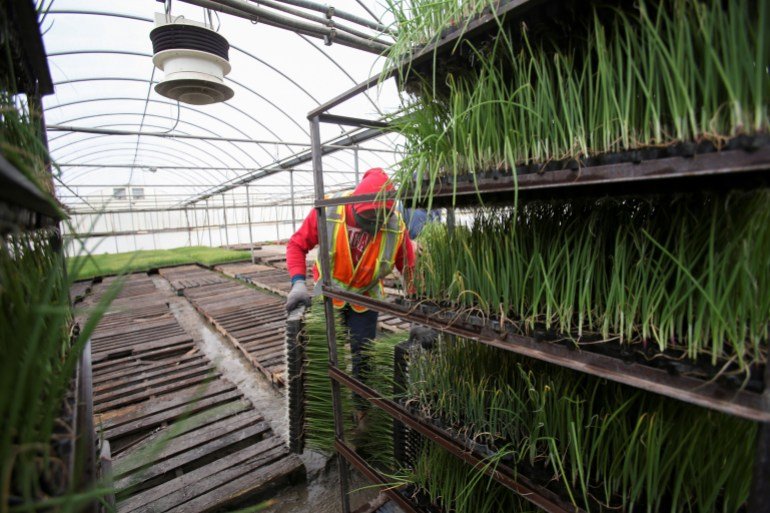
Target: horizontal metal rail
[351,121]
[165,135]
[358,198]
[741,403]
[652,176]
[537,495]
[656,175]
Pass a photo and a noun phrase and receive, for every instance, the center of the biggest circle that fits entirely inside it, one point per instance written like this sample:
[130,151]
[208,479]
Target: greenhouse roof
[109,130]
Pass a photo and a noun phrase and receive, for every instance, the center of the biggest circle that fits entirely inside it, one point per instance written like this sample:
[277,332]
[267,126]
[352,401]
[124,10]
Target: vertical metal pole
[115,236]
[355,162]
[189,231]
[291,189]
[195,223]
[277,226]
[248,218]
[331,336]
[759,498]
[208,223]
[117,222]
[152,228]
[237,223]
[224,213]
[133,224]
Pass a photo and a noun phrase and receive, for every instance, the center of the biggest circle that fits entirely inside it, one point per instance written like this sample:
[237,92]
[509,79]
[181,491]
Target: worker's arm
[303,240]
[297,249]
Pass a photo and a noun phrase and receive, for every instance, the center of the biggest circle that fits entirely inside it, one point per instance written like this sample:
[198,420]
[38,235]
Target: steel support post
[114,237]
[331,336]
[277,225]
[355,162]
[208,223]
[133,223]
[248,217]
[189,231]
[152,230]
[759,500]
[291,189]
[224,214]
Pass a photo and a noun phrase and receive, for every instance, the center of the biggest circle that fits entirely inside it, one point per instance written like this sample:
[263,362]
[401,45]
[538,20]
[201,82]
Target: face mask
[370,226]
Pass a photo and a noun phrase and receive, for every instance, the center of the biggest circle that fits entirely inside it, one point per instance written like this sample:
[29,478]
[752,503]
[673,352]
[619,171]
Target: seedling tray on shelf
[673,362]
[709,394]
[537,474]
[743,163]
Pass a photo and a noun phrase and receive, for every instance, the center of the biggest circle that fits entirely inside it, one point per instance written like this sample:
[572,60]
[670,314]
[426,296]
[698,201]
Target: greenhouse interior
[397,256]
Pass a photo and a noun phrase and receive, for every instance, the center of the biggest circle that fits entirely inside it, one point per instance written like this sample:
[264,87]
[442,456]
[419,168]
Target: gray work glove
[423,335]
[298,295]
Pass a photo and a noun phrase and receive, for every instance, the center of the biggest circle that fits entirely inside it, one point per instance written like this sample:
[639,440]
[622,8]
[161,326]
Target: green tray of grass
[90,266]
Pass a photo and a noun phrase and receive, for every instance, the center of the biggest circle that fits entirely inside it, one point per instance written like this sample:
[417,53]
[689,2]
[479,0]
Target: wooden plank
[150,390]
[220,443]
[180,400]
[141,358]
[187,434]
[250,483]
[178,341]
[156,332]
[148,370]
[153,421]
[134,323]
[177,491]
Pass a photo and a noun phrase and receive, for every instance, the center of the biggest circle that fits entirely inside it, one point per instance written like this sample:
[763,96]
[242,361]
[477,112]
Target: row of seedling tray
[671,281]
[626,82]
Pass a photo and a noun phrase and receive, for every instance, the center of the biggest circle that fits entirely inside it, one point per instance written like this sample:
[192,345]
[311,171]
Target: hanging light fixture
[194,59]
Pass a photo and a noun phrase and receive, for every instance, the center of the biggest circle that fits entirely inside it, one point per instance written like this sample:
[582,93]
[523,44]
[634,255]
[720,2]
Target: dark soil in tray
[673,361]
[687,149]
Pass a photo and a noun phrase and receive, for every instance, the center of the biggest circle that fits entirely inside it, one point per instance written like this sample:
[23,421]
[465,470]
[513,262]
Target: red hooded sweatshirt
[306,238]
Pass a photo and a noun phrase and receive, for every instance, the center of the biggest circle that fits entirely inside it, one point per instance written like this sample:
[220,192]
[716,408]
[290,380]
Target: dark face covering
[370,222]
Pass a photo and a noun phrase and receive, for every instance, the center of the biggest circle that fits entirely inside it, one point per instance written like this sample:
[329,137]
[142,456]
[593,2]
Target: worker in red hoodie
[366,241]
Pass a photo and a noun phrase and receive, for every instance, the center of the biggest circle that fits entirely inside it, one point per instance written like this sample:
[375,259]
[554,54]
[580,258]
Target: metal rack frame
[737,167]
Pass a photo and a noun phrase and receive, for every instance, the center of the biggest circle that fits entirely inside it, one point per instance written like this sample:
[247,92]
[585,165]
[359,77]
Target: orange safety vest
[376,262]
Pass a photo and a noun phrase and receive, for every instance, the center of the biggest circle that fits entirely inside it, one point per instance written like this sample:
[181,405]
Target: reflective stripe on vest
[385,243]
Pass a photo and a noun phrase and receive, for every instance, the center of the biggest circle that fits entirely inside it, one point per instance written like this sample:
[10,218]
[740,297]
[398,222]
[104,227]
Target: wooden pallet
[189,276]
[254,321]
[183,438]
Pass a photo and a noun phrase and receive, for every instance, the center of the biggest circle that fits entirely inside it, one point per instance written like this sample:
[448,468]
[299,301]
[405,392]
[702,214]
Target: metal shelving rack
[735,168]
[22,204]
[25,208]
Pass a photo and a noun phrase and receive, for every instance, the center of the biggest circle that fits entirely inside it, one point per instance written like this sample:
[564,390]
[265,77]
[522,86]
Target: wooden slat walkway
[254,321]
[264,276]
[183,438]
[189,276]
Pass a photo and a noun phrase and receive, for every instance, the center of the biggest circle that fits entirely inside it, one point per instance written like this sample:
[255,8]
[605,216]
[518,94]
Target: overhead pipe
[327,9]
[327,22]
[243,9]
[105,131]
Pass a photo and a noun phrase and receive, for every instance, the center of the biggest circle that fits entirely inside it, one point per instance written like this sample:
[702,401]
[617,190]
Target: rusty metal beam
[734,168]
[707,394]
